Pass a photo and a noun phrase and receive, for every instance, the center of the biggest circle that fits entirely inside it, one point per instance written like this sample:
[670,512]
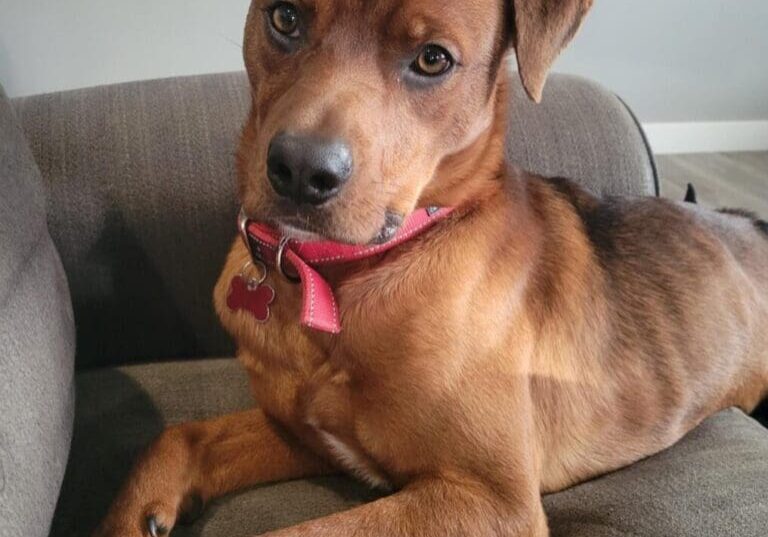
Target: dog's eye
[433,60]
[285,19]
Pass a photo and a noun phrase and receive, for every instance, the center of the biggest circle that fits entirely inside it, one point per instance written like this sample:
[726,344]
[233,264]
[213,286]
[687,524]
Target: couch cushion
[713,483]
[141,191]
[581,131]
[36,345]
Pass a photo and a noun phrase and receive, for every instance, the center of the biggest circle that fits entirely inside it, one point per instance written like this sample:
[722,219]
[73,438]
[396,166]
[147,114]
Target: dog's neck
[470,173]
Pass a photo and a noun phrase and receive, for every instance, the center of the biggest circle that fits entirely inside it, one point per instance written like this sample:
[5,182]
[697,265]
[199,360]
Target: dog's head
[357,103]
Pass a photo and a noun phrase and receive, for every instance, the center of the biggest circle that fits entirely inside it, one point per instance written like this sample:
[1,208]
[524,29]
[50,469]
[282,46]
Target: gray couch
[135,183]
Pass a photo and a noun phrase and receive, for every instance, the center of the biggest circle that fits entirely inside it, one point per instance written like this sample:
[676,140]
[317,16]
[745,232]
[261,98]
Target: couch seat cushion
[713,483]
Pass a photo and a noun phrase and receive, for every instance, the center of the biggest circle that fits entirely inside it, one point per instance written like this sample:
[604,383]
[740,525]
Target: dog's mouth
[307,227]
[392,222]
[299,230]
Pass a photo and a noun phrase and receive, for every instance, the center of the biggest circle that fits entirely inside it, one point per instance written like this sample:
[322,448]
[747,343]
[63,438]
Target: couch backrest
[141,195]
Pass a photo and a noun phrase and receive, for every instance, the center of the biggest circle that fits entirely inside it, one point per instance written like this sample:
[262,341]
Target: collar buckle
[279,261]
[242,226]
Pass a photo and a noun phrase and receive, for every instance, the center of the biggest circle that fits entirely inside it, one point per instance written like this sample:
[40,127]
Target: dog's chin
[299,234]
[304,233]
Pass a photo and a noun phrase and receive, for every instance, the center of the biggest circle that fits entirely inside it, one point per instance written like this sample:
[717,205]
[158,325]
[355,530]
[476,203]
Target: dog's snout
[308,169]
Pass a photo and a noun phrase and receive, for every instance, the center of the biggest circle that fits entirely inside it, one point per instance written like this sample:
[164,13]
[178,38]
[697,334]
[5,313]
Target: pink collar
[319,310]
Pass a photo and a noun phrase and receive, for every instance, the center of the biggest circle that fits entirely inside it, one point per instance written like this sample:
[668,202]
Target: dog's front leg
[194,462]
[437,508]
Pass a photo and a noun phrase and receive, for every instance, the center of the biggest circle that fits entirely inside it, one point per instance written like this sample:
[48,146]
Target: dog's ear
[541,29]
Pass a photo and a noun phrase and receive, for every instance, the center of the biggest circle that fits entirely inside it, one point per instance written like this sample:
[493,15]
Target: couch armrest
[583,132]
[36,345]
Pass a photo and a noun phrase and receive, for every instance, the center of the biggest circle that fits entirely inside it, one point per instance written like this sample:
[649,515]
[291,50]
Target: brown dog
[534,339]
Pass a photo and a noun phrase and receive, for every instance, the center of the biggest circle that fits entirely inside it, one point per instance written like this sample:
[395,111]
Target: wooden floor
[736,180]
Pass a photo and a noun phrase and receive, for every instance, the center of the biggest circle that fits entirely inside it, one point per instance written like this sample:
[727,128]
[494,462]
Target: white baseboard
[707,137]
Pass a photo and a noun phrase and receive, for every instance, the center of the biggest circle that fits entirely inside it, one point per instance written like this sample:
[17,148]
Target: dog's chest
[348,454]
[352,396]
[326,412]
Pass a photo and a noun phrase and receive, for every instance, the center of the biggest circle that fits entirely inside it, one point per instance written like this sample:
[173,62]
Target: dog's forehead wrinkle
[387,21]
[347,33]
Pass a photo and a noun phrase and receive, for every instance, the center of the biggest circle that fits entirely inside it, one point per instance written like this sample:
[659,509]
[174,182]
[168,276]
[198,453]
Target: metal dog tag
[251,294]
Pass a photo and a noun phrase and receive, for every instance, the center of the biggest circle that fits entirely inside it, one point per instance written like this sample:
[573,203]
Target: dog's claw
[154,528]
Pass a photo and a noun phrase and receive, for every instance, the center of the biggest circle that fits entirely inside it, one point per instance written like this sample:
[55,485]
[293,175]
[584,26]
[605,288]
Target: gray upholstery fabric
[582,132]
[142,205]
[36,345]
[712,484]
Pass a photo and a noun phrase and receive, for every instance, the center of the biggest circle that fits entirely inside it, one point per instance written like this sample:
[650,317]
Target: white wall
[51,45]
[678,60]
[673,61]
[694,71]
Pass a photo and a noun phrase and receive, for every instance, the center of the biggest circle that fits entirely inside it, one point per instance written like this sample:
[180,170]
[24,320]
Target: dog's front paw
[154,519]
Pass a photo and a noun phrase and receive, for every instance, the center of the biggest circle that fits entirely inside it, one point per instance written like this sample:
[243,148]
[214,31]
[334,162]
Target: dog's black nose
[307,169]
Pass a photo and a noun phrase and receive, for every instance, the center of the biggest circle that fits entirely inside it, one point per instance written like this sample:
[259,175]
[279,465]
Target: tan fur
[537,338]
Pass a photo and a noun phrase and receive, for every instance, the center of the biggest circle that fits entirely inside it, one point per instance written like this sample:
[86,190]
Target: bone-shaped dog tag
[251,295]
